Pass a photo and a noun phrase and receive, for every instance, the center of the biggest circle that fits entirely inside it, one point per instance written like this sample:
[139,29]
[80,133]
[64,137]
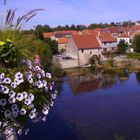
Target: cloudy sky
[61,12]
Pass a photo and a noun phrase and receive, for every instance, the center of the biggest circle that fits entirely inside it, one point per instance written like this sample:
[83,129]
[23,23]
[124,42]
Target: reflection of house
[83,47]
[97,81]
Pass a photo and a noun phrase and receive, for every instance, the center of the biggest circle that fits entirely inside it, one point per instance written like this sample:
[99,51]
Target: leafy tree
[122,46]
[39,31]
[52,44]
[136,43]
[73,27]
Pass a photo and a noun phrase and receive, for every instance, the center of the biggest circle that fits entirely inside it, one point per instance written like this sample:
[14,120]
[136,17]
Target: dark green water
[89,109]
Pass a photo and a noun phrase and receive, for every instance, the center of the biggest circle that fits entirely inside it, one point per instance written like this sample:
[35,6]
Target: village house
[62,44]
[107,41]
[125,37]
[83,48]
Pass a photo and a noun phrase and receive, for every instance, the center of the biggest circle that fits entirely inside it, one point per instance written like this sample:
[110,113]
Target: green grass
[134,56]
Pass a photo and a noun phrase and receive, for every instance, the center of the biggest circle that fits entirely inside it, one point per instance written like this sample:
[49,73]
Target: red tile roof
[86,42]
[48,34]
[123,35]
[106,37]
[62,41]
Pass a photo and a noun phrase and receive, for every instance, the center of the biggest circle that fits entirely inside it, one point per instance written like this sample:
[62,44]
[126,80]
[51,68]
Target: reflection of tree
[138,76]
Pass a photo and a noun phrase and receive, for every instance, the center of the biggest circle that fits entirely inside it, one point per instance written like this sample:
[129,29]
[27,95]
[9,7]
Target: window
[82,51]
[90,52]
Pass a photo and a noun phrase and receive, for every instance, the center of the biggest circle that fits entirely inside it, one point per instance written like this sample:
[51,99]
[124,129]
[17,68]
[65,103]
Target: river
[95,107]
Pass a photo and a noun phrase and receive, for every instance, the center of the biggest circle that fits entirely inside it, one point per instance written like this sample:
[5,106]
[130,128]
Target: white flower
[31,106]
[45,111]
[18,75]
[12,94]
[44,119]
[27,131]
[19,131]
[18,81]
[44,83]
[38,76]
[25,95]
[7,80]
[29,63]
[3,102]
[29,73]
[43,73]
[7,113]
[22,111]
[1,87]
[15,111]
[5,90]
[19,97]
[55,92]
[37,68]
[46,89]
[31,97]
[12,100]
[13,85]
[14,106]
[50,87]
[30,80]
[27,101]
[53,96]
[48,75]
[51,103]
[32,115]
[39,84]
[33,110]
[2,75]
[0,123]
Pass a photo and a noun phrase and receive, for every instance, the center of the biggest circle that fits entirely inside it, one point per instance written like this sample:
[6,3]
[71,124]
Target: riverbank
[116,65]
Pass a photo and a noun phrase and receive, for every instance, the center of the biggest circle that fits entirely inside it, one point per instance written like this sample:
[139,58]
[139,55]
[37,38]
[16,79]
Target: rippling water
[96,107]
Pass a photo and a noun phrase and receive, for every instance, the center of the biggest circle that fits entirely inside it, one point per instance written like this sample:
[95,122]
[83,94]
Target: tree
[39,31]
[136,43]
[73,27]
[122,46]
[52,44]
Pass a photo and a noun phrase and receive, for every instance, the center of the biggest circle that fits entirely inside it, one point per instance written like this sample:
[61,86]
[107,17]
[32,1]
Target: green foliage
[134,56]
[136,43]
[52,44]
[8,54]
[95,25]
[122,47]
[62,51]
[39,30]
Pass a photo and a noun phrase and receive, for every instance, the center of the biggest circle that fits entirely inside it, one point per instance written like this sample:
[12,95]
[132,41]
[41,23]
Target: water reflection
[92,82]
[138,76]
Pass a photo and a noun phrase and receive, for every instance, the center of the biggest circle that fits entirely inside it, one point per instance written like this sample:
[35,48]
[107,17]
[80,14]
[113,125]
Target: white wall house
[107,41]
[124,37]
[83,47]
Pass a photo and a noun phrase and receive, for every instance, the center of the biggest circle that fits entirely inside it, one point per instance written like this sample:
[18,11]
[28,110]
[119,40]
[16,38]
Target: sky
[62,12]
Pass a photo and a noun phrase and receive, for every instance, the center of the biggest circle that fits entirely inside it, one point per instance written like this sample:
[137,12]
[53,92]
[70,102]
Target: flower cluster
[28,93]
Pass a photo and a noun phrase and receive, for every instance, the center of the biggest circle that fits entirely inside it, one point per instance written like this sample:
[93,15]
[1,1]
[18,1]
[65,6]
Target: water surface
[93,107]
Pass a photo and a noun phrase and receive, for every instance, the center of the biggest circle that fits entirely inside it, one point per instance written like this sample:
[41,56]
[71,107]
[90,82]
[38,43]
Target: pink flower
[37,59]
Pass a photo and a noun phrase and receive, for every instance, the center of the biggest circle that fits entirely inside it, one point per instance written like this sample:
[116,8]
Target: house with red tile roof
[83,48]
[125,37]
[107,41]
[62,44]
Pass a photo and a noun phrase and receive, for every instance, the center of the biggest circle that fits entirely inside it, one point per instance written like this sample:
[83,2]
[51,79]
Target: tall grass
[12,23]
